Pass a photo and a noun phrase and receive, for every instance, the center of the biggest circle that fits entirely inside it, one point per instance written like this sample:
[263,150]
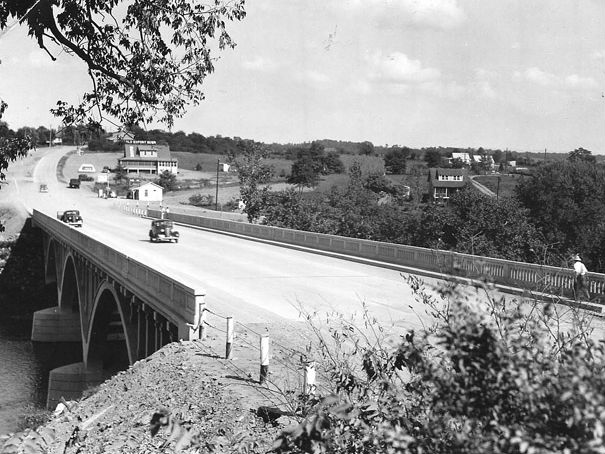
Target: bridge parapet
[178,302]
[518,275]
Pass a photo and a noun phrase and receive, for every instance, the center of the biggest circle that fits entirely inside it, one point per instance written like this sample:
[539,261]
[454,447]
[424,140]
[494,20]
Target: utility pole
[545,155]
[218,162]
[50,136]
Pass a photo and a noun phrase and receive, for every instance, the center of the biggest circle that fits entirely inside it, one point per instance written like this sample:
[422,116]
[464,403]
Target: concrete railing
[177,302]
[519,275]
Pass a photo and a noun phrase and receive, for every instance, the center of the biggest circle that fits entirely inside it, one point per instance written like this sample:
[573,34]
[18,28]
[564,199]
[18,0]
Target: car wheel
[176,240]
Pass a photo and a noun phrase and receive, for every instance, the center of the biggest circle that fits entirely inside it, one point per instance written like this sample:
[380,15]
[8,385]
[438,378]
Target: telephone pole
[218,162]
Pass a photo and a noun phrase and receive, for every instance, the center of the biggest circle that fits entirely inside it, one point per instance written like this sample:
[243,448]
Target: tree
[308,166]
[580,154]
[457,163]
[333,163]
[146,60]
[167,180]
[12,146]
[476,224]
[432,158]
[254,174]
[121,174]
[395,160]
[566,201]
[366,148]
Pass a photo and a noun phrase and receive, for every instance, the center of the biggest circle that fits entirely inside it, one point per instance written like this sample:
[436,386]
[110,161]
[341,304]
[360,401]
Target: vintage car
[74,183]
[71,217]
[43,188]
[163,230]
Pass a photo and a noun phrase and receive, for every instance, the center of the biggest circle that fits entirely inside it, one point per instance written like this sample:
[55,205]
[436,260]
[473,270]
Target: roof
[434,173]
[148,184]
[163,151]
[147,159]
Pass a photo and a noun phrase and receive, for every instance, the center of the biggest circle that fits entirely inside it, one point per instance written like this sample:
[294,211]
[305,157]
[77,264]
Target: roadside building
[147,157]
[148,192]
[443,183]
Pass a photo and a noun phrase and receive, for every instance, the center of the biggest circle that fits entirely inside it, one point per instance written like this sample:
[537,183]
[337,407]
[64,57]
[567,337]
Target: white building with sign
[147,157]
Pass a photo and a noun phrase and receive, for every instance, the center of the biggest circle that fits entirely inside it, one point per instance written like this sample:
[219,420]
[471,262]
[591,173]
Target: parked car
[71,217]
[74,183]
[163,230]
[43,188]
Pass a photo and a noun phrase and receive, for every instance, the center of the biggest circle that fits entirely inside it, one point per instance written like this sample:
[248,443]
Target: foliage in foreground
[486,378]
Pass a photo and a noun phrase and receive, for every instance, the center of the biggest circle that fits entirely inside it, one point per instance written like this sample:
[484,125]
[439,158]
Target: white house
[148,192]
[224,167]
[464,157]
[147,157]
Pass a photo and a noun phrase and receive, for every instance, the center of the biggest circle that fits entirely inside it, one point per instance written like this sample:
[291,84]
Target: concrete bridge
[117,308]
[121,310]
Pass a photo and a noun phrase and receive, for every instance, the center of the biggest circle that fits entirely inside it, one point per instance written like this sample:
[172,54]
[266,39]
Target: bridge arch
[50,264]
[108,340]
[70,288]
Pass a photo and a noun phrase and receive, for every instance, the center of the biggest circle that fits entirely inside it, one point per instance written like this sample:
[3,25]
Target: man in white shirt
[580,276]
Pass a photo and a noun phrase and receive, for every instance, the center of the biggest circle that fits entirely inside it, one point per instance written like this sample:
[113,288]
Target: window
[441,193]
[146,193]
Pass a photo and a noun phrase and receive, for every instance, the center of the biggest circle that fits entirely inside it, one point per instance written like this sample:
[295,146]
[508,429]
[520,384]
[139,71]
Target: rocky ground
[206,408]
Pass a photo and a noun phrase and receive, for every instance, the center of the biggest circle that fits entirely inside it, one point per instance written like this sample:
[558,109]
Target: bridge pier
[56,325]
[70,381]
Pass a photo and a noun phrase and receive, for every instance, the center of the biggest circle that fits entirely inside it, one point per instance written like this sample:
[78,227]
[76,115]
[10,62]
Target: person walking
[580,278]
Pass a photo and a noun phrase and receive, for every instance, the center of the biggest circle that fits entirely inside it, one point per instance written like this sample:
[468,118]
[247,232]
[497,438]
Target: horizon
[397,72]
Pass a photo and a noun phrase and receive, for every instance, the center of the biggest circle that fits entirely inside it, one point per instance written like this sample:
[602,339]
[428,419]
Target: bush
[201,200]
[493,377]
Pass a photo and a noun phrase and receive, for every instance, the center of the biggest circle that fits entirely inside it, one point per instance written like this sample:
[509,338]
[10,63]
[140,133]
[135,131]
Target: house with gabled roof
[147,157]
[443,183]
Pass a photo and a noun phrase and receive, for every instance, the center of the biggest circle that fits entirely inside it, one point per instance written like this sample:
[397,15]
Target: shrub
[201,200]
[493,377]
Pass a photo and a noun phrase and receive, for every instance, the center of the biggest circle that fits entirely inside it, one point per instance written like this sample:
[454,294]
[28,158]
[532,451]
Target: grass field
[507,183]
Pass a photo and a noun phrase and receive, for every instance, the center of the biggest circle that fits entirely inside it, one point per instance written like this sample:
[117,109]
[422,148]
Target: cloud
[314,78]
[260,64]
[436,13]
[398,68]
[598,55]
[546,79]
[439,14]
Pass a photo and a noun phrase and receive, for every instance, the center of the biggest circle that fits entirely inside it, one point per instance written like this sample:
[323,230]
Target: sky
[523,75]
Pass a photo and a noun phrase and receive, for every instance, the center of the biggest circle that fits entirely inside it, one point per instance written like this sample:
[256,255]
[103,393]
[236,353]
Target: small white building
[224,167]
[148,192]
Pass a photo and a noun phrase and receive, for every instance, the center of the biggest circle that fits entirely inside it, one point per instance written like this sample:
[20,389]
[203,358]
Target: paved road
[252,281]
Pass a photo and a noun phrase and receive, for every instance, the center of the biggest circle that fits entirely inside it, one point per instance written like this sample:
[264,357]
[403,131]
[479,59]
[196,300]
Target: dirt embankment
[208,409]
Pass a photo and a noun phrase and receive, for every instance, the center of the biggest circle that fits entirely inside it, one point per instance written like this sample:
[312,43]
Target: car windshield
[72,213]
[162,224]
